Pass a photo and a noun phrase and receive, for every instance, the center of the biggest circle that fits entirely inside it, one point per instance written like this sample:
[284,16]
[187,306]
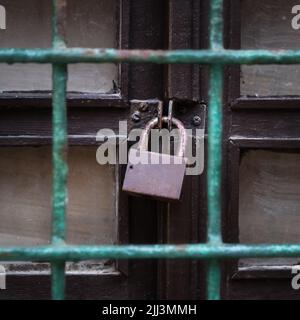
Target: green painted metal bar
[216,25]
[60,170]
[192,251]
[59,153]
[213,280]
[58,280]
[214,166]
[80,55]
[214,154]
[59,17]
[59,150]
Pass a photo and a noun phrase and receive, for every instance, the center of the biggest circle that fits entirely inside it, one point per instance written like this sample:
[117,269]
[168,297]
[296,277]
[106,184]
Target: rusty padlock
[159,176]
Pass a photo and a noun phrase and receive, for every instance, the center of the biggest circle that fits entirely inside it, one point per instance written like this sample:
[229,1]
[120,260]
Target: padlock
[158,176]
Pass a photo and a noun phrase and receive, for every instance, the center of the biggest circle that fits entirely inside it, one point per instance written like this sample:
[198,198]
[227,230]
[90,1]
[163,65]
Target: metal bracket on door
[191,113]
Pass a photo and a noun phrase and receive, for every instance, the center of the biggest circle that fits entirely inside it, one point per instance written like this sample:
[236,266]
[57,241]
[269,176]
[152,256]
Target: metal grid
[216,57]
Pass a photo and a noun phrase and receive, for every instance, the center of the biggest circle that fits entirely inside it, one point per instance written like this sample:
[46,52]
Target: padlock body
[161,178]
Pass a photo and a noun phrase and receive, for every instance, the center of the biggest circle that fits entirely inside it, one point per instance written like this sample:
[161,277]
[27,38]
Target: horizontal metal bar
[80,55]
[193,251]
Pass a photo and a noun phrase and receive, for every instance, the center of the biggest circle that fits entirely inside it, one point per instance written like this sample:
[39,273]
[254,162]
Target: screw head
[136,116]
[197,121]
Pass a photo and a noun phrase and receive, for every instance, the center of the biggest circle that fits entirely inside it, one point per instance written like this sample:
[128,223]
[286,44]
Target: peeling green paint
[192,251]
[60,172]
[214,166]
[59,150]
[219,56]
[213,280]
[59,153]
[58,280]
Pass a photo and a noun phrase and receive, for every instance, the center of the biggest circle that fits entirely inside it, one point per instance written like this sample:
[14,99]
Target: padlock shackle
[143,144]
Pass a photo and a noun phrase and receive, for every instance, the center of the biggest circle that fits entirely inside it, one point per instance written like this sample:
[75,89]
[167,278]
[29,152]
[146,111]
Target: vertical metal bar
[59,150]
[215,149]
[213,280]
[58,280]
[216,24]
[59,16]
[214,153]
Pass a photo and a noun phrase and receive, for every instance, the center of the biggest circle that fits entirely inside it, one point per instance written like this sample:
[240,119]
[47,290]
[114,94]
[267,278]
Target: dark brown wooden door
[261,150]
[25,129]
[25,125]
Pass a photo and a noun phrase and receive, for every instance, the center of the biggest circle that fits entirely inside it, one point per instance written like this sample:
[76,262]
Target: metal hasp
[153,174]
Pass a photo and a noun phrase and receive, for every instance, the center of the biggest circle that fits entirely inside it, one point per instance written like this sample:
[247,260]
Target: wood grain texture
[90,24]
[267,25]
[269,201]
[25,184]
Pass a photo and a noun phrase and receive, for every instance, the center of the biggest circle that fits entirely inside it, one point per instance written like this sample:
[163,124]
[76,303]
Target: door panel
[26,121]
[261,141]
